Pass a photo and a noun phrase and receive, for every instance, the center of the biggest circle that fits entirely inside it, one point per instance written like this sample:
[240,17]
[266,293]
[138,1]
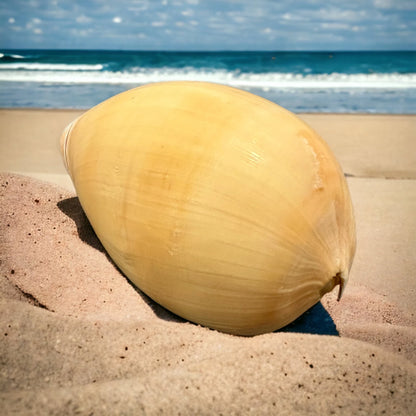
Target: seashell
[221,206]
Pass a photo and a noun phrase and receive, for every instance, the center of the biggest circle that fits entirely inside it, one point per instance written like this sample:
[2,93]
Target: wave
[50,67]
[93,74]
[6,56]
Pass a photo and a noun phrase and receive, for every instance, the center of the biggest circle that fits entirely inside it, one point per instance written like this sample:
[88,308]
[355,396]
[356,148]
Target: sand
[77,338]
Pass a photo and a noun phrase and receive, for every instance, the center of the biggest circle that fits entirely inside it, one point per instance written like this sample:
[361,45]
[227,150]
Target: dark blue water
[366,82]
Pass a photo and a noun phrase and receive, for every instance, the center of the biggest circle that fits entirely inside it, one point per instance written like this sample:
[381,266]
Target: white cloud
[237,17]
[81,32]
[256,12]
[138,7]
[382,4]
[293,17]
[83,19]
[270,34]
[33,23]
[213,24]
[395,4]
[334,26]
[187,13]
[136,10]
[336,15]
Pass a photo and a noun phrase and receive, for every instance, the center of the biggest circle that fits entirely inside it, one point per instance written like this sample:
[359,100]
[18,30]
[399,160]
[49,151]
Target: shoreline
[317,113]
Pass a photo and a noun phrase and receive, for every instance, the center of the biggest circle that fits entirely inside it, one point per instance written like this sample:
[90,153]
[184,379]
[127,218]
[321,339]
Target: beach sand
[78,338]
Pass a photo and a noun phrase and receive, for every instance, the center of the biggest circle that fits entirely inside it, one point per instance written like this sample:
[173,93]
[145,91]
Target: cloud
[395,4]
[82,32]
[335,26]
[83,19]
[293,17]
[158,24]
[382,4]
[138,7]
[213,24]
[187,13]
[237,16]
[162,16]
[32,25]
[337,14]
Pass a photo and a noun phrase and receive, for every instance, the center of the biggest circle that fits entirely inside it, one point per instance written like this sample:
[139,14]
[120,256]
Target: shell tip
[341,279]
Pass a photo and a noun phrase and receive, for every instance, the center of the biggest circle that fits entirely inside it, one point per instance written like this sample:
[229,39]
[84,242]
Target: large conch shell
[221,206]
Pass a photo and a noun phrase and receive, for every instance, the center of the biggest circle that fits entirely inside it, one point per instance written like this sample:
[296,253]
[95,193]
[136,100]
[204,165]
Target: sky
[209,24]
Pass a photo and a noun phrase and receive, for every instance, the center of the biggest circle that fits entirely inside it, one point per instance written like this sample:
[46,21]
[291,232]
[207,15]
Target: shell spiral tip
[341,279]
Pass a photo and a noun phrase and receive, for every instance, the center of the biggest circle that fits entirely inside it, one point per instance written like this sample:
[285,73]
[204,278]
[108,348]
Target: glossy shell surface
[221,206]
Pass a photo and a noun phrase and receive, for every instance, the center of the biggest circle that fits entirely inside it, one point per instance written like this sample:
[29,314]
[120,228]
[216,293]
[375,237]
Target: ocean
[336,82]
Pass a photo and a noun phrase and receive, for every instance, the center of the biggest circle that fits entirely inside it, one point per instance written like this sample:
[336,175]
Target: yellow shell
[223,207]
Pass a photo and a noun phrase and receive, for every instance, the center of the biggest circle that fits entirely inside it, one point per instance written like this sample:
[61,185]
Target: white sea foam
[92,74]
[2,55]
[35,66]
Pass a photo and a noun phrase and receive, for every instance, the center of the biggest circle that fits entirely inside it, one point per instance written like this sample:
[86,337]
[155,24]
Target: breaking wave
[96,74]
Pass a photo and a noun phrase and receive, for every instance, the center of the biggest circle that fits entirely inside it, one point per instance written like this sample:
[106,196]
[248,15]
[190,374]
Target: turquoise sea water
[339,82]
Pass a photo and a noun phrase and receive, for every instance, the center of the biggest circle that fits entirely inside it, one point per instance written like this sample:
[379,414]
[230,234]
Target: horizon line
[211,50]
